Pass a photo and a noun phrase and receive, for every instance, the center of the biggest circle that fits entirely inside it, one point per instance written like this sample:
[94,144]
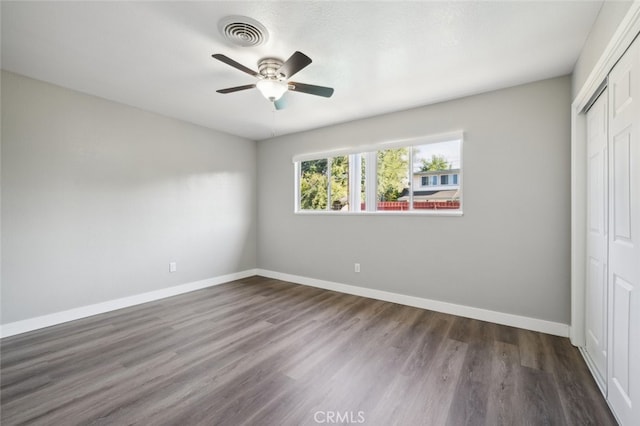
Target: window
[393,174]
[339,183]
[314,190]
[390,175]
[324,184]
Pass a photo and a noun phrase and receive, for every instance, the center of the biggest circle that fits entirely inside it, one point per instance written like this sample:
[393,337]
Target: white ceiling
[380,56]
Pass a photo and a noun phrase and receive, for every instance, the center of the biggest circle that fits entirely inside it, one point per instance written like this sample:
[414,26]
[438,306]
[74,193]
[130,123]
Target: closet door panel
[596,291]
[621,200]
[624,237]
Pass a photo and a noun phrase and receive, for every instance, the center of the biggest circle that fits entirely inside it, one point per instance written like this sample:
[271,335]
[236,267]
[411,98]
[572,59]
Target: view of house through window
[424,177]
[435,171]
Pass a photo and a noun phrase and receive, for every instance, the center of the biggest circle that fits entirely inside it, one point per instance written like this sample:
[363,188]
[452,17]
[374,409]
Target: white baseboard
[18,327]
[534,324]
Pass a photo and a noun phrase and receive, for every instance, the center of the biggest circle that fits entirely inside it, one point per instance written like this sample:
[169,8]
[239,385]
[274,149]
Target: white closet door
[596,291]
[624,237]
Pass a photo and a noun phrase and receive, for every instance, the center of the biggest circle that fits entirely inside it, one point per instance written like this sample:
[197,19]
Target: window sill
[454,213]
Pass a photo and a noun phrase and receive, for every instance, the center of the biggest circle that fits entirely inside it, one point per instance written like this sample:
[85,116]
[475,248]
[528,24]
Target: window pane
[313,184]
[340,183]
[425,180]
[393,179]
[434,162]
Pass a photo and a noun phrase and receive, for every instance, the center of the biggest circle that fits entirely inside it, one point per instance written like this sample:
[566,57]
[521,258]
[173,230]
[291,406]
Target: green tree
[313,185]
[393,168]
[339,182]
[314,166]
[393,179]
[437,162]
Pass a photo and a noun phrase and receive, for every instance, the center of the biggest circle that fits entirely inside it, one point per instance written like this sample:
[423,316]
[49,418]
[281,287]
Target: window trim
[369,153]
[355,175]
[382,145]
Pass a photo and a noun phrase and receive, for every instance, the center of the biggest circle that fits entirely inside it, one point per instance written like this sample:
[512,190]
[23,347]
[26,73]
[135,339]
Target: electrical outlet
[173,267]
[356,267]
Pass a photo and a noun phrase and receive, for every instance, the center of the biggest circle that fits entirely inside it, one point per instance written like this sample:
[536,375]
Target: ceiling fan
[273,78]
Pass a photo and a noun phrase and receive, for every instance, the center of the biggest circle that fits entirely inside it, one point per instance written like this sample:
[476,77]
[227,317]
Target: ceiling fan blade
[280,103]
[295,63]
[311,89]
[236,89]
[227,60]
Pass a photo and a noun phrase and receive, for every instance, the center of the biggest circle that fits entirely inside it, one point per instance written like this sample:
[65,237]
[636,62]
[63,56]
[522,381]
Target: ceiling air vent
[243,31]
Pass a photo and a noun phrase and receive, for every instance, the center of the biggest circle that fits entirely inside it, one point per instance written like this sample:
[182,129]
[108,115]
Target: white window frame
[355,177]
[369,153]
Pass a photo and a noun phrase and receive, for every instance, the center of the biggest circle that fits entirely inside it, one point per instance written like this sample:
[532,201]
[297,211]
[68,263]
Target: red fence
[417,205]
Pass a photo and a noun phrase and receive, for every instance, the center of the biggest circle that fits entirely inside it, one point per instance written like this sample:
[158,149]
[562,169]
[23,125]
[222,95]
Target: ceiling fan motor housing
[268,68]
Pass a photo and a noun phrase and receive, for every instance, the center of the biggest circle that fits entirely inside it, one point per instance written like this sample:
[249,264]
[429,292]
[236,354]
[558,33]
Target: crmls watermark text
[342,417]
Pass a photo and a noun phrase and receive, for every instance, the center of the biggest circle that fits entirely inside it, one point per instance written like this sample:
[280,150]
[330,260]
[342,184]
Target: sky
[449,150]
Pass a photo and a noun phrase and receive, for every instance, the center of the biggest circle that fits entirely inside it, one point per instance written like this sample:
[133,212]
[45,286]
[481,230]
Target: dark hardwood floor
[265,352]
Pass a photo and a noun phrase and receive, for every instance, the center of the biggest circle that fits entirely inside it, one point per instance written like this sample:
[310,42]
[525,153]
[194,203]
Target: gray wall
[508,253]
[99,197]
[606,23]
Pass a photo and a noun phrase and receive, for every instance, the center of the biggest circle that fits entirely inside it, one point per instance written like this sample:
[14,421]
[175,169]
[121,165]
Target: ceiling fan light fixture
[272,89]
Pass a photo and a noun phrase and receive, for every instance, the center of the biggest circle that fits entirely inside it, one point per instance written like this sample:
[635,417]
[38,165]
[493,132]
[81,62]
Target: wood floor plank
[427,345]
[431,400]
[538,398]
[506,334]
[576,385]
[534,350]
[470,397]
[260,351]
[502,390]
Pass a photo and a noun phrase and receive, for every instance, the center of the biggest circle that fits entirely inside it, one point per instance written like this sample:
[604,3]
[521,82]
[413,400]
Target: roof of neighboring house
[437,172]
[449,194]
